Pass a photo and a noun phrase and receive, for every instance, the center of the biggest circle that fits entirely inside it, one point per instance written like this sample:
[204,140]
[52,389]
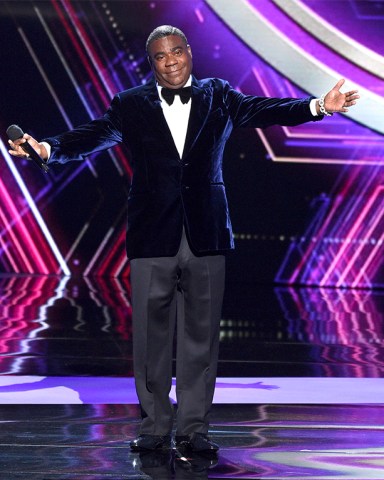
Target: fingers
[16,146]
[16,149]
[350,98]
[338,101]
[339,84]
[352,92]
[351,95]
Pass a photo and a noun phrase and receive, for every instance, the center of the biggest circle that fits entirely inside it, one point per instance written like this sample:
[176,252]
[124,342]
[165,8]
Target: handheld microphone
[14,132]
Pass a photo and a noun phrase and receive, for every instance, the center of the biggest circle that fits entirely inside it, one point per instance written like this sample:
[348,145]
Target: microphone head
[14,132]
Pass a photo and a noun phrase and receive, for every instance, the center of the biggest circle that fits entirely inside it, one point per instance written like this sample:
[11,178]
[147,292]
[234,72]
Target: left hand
[16,150]
[335,101]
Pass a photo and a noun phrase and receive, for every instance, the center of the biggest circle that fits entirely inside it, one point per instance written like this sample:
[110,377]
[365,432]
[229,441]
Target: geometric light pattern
[24,250]
[343,244]
[23,227]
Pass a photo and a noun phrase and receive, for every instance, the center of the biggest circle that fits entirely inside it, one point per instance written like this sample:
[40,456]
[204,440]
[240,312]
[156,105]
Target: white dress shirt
[177,117]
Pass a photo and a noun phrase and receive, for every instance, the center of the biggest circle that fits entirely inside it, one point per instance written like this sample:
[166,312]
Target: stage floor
[300,392]
[75,442]
[20,389]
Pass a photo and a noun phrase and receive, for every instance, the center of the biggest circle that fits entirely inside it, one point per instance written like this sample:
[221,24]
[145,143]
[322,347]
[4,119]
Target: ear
[149,60]
[189,50]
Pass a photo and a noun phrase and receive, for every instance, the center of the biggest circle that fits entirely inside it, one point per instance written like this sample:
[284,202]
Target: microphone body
[14,132]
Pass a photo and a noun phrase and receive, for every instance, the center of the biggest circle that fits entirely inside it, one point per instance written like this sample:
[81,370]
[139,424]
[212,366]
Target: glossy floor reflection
[300,388]
[257,441]
[52,326]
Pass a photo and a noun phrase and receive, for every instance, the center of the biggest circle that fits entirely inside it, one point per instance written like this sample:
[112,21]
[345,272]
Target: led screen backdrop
[306,202]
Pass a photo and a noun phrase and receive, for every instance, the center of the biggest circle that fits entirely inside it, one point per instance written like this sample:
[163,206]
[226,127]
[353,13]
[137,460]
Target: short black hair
[164,31]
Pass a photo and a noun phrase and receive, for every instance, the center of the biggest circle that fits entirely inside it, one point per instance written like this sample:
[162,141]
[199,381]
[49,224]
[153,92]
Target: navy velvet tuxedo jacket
[168,192]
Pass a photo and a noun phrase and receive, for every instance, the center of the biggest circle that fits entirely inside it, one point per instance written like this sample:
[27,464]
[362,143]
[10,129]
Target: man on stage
[179,228]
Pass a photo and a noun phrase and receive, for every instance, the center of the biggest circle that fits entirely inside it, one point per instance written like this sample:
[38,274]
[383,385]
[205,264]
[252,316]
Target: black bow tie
[169,94]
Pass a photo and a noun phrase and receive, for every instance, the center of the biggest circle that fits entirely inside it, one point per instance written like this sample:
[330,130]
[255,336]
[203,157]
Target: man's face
[171,61]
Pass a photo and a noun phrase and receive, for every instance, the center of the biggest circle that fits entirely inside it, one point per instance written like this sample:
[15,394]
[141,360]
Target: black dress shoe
[144,443]
[196,442]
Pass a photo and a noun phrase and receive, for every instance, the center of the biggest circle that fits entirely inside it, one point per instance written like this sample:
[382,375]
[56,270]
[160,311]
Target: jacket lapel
[200,108]
[153,113]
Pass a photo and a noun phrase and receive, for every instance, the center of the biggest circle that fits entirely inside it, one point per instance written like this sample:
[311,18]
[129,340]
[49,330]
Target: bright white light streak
[292,60]
[98,252]
[77,241]
[120,268]
[45,78]
[51,89]
[65,65]
[43,314]
[77,88]
[88,50]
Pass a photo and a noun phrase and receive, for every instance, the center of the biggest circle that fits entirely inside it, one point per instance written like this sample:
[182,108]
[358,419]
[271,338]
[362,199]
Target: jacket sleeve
[261,112]
[99,134]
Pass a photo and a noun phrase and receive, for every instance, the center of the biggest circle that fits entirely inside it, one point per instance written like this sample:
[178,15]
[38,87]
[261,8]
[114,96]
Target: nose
[170,60]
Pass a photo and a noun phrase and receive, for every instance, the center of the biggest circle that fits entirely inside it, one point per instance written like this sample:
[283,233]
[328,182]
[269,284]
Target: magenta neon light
[351,234]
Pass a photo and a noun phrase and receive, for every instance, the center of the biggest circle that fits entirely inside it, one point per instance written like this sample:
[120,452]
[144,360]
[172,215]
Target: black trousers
[187,289]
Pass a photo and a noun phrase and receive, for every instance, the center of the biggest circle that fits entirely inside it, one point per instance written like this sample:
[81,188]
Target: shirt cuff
[312,106]
[48,149]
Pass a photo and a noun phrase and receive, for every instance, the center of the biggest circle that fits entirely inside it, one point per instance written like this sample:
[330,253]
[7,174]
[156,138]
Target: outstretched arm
[336,101]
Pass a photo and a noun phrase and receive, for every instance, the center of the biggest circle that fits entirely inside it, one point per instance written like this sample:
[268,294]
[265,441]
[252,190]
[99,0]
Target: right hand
[17,151]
